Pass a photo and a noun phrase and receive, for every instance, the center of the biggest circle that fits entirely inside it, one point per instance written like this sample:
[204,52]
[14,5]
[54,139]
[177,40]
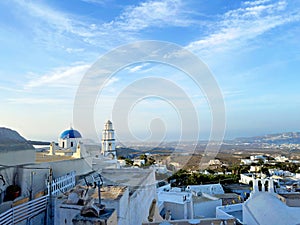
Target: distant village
[75,182]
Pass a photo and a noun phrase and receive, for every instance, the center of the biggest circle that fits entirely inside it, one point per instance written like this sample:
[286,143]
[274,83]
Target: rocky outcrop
[11,140]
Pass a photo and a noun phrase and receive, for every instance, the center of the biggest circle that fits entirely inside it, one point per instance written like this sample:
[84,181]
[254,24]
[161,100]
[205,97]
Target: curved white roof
[264,208]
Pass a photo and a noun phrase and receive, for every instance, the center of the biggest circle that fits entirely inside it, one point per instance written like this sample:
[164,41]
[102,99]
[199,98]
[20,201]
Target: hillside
[280,138]
[12,140]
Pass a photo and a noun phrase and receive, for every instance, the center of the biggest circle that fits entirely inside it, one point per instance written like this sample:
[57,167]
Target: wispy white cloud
[99,2]
[232,93]
[45,13]
[62,76]
[245,23]
[135,68]
[257,2]
[111,81]
[53,26]
[145,67]
[153,13]
[34,101]
[11,89]
[74,50]
[133,19]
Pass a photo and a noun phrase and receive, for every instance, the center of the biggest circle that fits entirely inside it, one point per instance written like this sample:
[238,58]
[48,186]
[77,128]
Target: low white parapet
[224,212]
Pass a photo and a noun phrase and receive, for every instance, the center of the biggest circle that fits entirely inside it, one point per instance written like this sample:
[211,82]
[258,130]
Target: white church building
[70,143]
[108,141]
[69,139]
[265,207]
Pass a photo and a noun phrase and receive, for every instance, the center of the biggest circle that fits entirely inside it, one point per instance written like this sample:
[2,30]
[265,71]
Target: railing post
[50,196]
[12,215]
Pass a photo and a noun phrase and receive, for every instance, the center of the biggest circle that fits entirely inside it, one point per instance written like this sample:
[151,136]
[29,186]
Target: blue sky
[251,47]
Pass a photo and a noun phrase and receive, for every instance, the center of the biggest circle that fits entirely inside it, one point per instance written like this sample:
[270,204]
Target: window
[71,143]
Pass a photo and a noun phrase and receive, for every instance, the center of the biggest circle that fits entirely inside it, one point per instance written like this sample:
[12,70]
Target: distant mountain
[127,152]
[280,138]
[38,142]
[12,140]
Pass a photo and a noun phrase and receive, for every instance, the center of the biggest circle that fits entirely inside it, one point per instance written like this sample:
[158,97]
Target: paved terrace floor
[189,222]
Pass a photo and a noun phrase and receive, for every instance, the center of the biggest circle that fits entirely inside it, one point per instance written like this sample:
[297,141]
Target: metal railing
[24,211]
[63,183]
[32,208]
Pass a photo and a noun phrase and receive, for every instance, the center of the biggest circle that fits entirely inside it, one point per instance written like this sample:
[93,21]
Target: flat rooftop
[198,199]
[174,197]
[226,195]
[43,157]
[291,195]
[107,193]
[132,177]
[237,186]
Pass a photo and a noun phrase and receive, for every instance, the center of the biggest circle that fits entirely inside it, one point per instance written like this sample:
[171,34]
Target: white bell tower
[108,141]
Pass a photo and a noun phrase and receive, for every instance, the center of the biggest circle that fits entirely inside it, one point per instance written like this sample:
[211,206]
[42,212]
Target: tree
[121,157]
[265,170]
[244,169]
[145,158]
[260,162]
[129,162]
[183,178]
[171,167]
[150,161]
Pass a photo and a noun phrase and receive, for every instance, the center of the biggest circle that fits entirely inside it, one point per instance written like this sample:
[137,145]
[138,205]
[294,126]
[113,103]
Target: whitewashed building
[210,189]
[246,161]
[69,139]
[194,203]
[69,144]
[108,141]
[281,158]
[265,207]
[179,204]
[246,178]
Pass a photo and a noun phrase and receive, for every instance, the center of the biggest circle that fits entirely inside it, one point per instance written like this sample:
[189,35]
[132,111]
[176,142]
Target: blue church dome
[70,134]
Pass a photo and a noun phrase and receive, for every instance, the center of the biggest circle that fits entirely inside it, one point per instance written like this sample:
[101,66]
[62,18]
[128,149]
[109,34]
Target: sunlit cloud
[74,50]
[35,101]
[241,25]
[153,13]
[69,76]
[53,24]
[99,2]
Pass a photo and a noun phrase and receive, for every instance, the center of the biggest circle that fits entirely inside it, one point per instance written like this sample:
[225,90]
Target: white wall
[121,206]
[60,168]
[140,200]
[28,178]
[222,211]
[67,143]
[206,208]
[177,210]
[206,188]
[244,179]
[19,157]
[66,214]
